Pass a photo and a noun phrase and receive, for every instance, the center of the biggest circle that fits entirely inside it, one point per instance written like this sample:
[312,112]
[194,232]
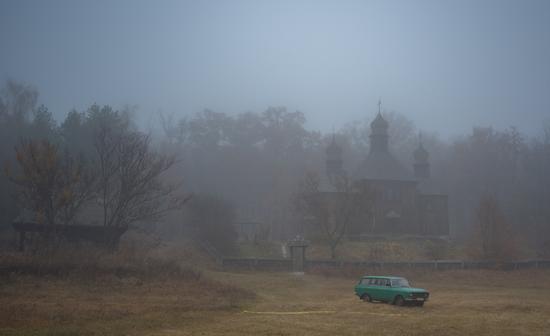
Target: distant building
[406,202]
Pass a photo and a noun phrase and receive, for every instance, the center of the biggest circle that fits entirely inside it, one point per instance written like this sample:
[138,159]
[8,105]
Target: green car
[390,289]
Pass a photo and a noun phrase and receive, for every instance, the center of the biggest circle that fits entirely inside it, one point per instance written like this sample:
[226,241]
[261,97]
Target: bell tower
[421,163]
[334,163]
[379,132]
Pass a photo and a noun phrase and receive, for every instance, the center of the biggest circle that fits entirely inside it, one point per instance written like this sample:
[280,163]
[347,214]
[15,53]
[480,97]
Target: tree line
[254,160]
[95,162]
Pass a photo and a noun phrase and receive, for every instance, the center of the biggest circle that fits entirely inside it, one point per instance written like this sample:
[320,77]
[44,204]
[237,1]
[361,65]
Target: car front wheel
[399,301]
[366,298]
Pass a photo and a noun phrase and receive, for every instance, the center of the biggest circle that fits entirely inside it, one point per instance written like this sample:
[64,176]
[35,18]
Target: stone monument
[297,248]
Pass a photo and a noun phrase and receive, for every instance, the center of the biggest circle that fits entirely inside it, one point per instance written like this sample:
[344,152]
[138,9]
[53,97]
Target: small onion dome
[379,124]
[333,149]
[420,154]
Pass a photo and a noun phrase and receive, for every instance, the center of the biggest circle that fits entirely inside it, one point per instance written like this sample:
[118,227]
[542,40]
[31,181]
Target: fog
[274,167]
[249,102]
[446,65]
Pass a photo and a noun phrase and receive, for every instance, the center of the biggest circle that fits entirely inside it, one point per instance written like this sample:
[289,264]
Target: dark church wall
[401,209]
[395,210]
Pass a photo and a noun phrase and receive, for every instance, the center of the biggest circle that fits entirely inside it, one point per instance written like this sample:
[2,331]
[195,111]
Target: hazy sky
[447,65]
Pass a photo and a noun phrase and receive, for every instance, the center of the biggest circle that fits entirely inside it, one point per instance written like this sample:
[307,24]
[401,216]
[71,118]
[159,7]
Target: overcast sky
[447,65]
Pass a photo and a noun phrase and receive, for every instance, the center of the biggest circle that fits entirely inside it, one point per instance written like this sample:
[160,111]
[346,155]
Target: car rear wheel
[366,298]
[398,301]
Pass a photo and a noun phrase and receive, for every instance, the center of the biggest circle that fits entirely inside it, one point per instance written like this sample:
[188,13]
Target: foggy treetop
[447,65]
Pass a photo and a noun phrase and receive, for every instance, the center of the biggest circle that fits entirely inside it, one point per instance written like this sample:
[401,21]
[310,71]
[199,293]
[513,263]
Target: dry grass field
[110,306]
[462,303]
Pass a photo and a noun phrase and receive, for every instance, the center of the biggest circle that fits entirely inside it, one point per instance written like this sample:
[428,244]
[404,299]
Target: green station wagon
[390,289]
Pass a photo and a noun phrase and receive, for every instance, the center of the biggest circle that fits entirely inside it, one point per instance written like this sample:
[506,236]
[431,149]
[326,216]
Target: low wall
[257,264]
[286,264]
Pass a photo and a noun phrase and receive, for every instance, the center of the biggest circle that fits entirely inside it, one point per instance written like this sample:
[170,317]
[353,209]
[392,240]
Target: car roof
[391,277]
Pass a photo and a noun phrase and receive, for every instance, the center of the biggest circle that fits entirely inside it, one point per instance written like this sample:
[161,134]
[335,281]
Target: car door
[390,291]
[382,289]
[374,289]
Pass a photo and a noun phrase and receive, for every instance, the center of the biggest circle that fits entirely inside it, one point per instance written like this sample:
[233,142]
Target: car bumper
[418,299]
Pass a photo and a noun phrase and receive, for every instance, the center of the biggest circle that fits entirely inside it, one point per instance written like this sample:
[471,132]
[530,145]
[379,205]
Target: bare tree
[493,234]
[174,131]
[130,188]
[333,211]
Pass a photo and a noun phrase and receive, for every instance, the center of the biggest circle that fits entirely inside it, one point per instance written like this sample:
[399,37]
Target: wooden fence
[286,264]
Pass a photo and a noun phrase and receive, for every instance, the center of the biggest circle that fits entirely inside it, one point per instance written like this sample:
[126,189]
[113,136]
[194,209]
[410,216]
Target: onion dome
[333,150]
[379,125]
[420,154]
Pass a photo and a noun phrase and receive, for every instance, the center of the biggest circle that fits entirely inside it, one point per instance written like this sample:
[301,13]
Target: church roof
[379,124]
[381,165]
[429,187]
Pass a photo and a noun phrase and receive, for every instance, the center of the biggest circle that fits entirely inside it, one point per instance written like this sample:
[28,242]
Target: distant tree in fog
[213,220]
[51,184]
[246,130]
[43,125]
[17,101]
[536,196]
[493,233]
[17,104]
[268,152]
[489,161]
[75,134]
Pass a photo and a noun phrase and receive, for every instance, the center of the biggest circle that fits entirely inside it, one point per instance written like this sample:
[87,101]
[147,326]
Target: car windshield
[400,283]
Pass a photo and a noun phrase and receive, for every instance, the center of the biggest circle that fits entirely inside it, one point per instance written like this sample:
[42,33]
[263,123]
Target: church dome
[380,163]
[333,149]
[379,125]
[421,154]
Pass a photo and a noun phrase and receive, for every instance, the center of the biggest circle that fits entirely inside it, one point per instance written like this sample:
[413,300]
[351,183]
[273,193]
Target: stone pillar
[297,248]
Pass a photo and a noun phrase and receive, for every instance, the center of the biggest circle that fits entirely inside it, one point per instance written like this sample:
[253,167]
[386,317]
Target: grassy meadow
[246,303]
